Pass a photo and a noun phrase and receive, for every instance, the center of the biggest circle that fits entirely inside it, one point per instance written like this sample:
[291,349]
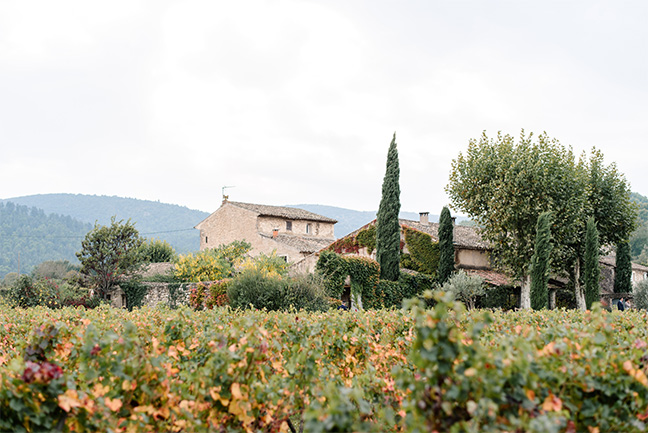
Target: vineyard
[422,369]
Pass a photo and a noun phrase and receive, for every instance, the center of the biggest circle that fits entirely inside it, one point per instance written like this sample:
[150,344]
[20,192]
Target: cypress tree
[387,224]
[540,262]
[591,267]
[446,246]
[623,271]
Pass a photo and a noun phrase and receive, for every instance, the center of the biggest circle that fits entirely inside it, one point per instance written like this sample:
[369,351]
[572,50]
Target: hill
[152,219]
[38,222]
[28,237]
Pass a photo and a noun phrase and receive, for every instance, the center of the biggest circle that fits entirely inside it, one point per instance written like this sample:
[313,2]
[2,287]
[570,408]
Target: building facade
[293,233]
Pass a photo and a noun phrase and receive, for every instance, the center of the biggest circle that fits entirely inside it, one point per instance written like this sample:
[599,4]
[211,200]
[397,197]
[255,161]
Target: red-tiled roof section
[283,212]
[491,277]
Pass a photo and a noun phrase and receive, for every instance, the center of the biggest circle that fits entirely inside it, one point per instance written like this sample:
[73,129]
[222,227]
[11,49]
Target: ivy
[365,280]
[424,253]
[364,274]
[367,238]
[135,292]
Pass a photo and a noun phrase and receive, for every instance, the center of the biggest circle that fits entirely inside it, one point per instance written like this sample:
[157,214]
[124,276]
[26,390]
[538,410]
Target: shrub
[254,288]
[10,279]
[207,265]
[641,295]
[157,251]
[211,264]
[209,295]
[270,264]
[29,293]
[465,288]
[502,297]
[306,292]
[75,296]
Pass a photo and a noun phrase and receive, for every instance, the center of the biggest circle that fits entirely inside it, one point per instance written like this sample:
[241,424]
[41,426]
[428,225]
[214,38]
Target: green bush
[465,288]
[27,292]
[503,297]
[254,288]
[258,289]
[75,296]
[157,251]
[641,295]
[305,292]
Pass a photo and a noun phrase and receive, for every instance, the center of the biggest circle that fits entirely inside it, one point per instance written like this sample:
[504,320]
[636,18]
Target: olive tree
[110,252]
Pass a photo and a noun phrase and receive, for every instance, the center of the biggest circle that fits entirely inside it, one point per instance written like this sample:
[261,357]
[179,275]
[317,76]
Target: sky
[296,102]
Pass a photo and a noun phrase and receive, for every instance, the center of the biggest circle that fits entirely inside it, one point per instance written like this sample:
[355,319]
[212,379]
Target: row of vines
[421,369]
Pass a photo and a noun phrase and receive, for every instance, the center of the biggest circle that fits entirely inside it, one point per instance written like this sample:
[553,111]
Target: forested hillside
[29,236]
[152,219]
[639,239]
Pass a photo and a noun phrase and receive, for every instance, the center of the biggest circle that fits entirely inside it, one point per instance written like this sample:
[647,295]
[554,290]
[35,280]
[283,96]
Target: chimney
[275,233]
[424,218]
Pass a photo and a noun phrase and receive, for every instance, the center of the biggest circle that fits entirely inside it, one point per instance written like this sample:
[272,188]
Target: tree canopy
[110,252]
[505,184]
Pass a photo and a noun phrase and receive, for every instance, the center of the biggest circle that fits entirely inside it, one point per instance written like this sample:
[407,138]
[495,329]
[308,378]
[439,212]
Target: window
[285,258]
[308,229]
[289,226]
[206,239]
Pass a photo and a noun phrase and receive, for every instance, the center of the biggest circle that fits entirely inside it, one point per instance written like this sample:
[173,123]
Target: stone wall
[159,293]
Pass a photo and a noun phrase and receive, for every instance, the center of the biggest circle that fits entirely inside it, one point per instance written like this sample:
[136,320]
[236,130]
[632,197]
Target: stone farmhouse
[293,233]
[471,251]
[472,256]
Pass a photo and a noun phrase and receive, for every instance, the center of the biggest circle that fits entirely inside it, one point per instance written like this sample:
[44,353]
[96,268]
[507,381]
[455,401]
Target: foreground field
[422,370]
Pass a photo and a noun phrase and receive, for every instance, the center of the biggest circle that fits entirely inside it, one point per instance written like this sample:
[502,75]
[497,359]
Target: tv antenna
[225,197]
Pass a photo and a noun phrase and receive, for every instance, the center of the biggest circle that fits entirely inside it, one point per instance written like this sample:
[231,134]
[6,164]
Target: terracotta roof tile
[283,212]
[491,277]
[302,244]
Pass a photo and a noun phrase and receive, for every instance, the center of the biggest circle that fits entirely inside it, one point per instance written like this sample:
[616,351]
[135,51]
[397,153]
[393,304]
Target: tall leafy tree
[505,184]
[387,224]
[608,201]
[446,246]
[110,252]
[623,271]
[540,263]
[591,266]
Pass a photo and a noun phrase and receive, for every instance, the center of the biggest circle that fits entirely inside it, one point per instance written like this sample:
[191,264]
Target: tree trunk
[552,299]
[578,288]
[525,292]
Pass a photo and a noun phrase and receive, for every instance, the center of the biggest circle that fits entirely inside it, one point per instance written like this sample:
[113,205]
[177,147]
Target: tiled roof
[283,212]
[302,244]
[610,260]
[491,277]
[463,236]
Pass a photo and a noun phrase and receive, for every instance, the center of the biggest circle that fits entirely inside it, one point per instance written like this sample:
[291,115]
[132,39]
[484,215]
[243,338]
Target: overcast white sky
[296,101]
